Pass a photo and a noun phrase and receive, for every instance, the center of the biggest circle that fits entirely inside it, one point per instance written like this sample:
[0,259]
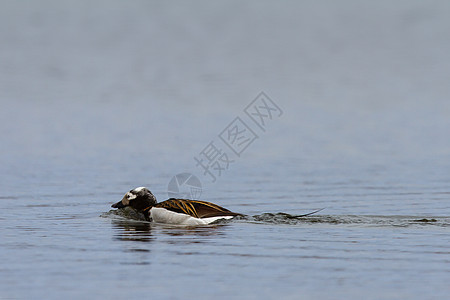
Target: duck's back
[189,212]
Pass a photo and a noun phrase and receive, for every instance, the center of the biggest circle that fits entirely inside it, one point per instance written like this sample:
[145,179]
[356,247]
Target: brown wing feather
[195,208]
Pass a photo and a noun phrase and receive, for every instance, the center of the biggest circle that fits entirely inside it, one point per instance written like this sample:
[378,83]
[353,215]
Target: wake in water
[351,220]
[311,218]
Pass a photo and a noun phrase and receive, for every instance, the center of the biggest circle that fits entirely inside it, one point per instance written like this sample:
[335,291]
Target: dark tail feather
[308,214]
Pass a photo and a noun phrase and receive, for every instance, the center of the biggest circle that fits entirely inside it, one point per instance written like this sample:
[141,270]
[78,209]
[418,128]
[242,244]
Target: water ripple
[362,221]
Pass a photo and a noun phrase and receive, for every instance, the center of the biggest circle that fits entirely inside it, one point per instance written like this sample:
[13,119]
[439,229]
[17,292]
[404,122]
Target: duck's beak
[118,205]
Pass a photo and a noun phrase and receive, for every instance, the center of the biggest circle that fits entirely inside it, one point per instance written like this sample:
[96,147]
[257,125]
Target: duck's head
[140,199]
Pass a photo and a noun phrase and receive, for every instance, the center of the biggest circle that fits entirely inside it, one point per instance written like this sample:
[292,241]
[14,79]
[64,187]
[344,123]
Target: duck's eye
[131,196]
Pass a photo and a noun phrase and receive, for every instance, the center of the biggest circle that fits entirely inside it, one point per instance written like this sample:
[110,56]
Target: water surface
[99,98]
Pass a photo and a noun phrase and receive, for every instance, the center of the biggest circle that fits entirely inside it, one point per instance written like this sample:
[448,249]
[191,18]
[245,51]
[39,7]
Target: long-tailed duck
[173,211]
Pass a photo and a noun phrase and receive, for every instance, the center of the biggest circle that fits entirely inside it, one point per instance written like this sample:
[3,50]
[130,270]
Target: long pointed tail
[308,214]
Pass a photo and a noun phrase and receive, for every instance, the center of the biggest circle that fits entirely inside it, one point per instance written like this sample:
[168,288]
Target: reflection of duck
[173,211]
[133,231]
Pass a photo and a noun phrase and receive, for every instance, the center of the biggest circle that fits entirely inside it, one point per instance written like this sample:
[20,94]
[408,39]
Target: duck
[173,211]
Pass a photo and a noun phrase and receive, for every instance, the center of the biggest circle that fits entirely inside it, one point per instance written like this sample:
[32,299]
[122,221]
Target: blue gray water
[99,97]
